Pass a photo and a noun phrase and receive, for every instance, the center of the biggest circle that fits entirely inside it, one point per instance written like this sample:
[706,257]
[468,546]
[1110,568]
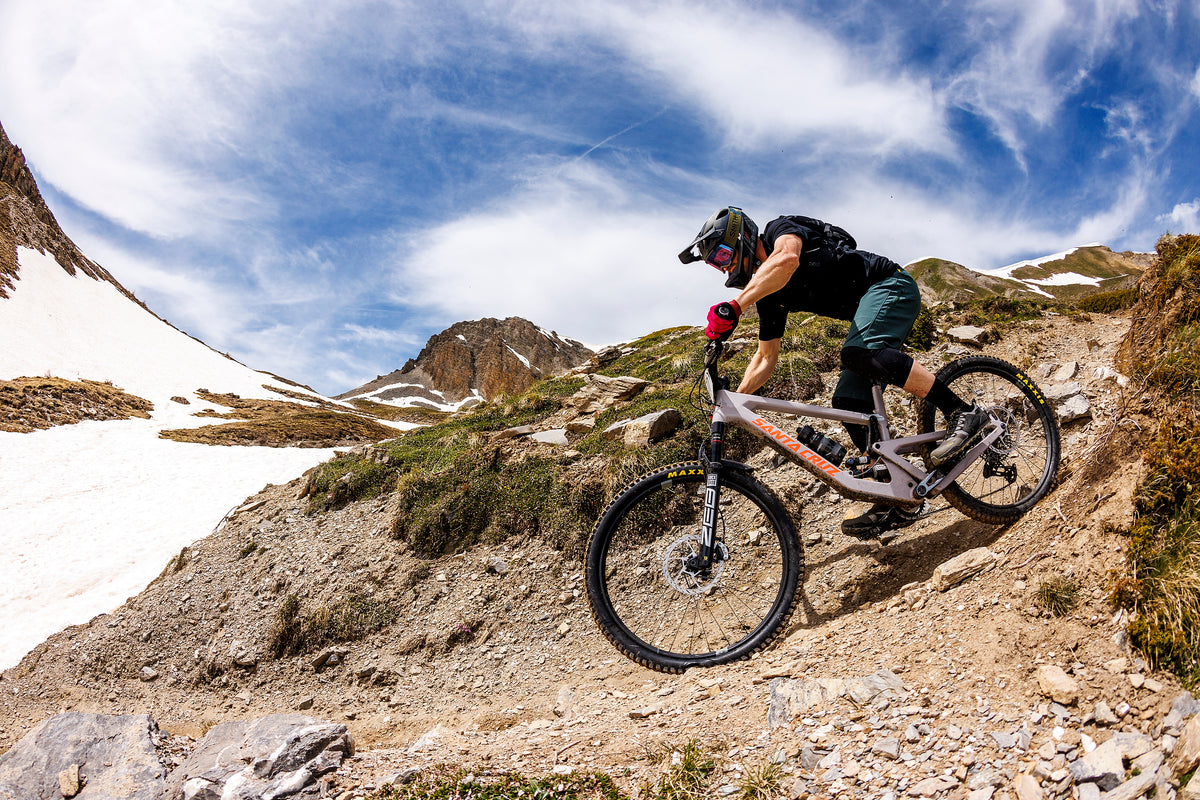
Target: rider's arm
[761,366]
[775,271]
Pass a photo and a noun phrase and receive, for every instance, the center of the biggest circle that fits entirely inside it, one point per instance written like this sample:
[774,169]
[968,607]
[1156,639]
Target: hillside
[1064,276]
[97,397]
[427,594]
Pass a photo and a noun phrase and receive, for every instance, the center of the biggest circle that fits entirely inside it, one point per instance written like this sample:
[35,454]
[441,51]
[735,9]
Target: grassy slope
[948,281]
[456,483]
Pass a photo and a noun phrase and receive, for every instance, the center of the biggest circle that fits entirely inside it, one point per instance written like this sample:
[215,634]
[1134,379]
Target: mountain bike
[699,564]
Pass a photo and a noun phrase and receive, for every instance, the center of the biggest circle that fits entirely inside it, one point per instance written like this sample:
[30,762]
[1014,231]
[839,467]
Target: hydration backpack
[829,236]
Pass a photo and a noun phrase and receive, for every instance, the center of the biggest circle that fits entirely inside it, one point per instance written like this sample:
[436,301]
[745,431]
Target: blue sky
[317,187]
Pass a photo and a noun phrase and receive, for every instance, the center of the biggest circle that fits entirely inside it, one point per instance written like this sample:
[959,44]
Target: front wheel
[647,592]
[1020,467]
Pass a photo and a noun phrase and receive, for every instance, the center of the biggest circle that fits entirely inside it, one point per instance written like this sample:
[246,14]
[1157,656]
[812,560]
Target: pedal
[881,535]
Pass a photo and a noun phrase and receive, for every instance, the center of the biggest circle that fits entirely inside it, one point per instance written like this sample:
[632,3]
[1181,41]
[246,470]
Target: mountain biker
[803,264]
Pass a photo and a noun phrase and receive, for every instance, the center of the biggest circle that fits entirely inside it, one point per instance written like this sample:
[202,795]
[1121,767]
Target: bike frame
[908,484]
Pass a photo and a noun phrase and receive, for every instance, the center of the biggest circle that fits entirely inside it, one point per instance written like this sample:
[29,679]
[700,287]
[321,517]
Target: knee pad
[883,366]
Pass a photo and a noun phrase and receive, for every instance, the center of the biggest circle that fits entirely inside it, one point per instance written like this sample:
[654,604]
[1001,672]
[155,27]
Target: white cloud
[372,335]
[578,252]
[140,112]
[1018,73]
[763,77]
[106,98]
[1183,218]
[573,252]
[1196,83]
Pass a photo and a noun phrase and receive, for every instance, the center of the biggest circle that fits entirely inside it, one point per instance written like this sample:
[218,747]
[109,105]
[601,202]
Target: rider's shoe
[880,518]
[963,426]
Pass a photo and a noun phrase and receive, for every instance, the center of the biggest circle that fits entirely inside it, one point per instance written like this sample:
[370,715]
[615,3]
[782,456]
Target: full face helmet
[728,241]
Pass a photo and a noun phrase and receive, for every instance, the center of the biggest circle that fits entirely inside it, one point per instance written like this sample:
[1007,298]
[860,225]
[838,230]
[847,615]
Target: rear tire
[1021,467]
[664,615]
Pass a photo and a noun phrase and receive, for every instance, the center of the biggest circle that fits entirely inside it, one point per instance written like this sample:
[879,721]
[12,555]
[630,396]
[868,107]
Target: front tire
[1021,467]
[648,598]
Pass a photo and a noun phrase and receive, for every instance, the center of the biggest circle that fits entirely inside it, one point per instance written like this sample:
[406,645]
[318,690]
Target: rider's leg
[881,323]
[848,397]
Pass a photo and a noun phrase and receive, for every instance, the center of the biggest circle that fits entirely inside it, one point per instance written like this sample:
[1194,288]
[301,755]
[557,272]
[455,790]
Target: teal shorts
[884,317]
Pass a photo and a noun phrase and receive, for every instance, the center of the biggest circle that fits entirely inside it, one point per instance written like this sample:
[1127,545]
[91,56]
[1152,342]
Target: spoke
[719,617]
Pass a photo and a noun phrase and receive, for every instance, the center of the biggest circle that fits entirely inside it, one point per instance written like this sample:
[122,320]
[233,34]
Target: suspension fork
[712,496]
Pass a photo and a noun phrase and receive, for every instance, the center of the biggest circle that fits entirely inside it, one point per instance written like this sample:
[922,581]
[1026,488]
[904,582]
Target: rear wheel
[1021,467]
[647,592]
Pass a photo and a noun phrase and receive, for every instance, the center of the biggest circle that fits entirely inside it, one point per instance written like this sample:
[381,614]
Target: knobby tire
[664,617]
[1020,468]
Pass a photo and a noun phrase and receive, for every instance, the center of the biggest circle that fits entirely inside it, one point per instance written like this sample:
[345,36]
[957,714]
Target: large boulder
[85,756]
[652,427]
[602,392]
[280,756]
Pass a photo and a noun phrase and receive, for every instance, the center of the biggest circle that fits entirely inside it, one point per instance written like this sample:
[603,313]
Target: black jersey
[830,280]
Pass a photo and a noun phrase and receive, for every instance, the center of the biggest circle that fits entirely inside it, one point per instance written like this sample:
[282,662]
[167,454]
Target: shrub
[353,619]
[1109,302]
[923,330]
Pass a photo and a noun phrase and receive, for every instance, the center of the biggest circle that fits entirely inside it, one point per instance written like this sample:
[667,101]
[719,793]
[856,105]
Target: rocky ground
[28,404]
[888,684]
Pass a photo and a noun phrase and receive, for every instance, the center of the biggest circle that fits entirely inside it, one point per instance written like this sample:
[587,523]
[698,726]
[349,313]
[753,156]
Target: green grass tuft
[1058,594]
[442,784]
[1109,302]
[351,620]
[685,776]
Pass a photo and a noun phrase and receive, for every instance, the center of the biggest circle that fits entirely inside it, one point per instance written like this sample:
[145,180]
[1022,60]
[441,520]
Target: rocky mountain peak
[26,221]
[480,358]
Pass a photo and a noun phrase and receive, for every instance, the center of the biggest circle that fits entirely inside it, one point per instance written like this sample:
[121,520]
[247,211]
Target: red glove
[722,319]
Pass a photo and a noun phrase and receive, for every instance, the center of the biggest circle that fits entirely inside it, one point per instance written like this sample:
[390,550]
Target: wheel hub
[681,566]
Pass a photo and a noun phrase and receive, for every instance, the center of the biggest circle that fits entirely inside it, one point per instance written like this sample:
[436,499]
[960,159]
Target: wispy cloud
[761,77]
[572,250]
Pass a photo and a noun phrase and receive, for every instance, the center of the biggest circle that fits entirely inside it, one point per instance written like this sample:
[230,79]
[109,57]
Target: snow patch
[522,358]
[110,505]
[1006,272]
[1065,279]
[92,512]
[76,327]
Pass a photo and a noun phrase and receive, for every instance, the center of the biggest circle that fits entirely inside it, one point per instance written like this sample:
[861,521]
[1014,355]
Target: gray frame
[909,484]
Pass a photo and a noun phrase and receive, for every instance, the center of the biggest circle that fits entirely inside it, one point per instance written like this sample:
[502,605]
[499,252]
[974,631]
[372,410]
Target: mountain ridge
[475,361]
[1070,275]
[26,221]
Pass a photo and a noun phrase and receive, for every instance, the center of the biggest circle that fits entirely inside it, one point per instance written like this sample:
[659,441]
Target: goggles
[720,257]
